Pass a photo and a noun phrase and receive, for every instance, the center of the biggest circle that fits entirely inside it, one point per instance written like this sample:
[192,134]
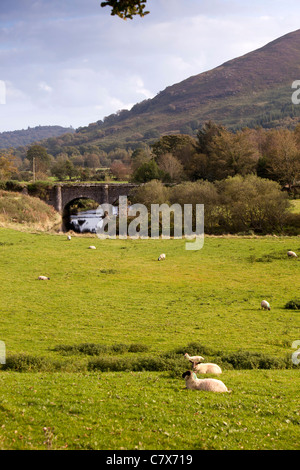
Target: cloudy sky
[69,63]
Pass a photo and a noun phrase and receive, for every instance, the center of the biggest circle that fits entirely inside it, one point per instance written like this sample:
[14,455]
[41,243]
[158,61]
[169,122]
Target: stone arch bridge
[61,196]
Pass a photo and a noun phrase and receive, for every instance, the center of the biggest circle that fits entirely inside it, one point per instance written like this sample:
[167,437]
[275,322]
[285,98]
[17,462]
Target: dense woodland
[244,178]
[27,136]
[213,155]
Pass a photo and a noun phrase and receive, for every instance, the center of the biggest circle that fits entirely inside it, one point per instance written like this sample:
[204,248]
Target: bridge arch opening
[79,215]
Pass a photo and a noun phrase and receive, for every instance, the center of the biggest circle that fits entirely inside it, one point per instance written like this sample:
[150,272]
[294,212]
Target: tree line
[238,204]
[216,153]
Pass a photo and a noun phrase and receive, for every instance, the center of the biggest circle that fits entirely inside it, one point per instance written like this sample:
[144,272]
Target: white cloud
[44,87]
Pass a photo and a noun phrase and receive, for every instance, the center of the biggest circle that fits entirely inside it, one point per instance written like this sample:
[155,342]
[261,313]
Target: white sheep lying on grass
[43,278]
[204,368]
[209,385]
[92,247]
[207,368]
[161,257]
[194,359]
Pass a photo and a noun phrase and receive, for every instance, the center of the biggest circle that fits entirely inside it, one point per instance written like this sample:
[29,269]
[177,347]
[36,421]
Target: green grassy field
[120,294]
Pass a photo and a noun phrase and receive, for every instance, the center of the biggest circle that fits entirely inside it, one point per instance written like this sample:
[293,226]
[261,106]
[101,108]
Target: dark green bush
[150,363]
[25,363]
[119,348]
[39,189]
[14,186]
[292,224]
[137,347]
[253,360]
[109,364]
[89,349]
[293,304]
[171,362]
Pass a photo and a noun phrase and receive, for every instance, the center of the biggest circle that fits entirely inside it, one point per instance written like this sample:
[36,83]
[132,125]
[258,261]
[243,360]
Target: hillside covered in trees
[216,153]
[27,136]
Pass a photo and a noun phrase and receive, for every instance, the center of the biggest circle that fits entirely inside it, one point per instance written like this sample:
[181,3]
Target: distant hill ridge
[25,137]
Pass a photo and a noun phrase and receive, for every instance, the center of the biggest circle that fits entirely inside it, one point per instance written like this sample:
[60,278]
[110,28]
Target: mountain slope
[32,134]
[254,89]
[249,90]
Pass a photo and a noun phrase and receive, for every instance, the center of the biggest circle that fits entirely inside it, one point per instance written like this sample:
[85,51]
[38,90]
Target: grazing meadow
[95,355]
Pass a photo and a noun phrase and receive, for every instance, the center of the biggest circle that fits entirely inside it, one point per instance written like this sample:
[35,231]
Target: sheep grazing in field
[207,368]
[92,247]
[292,254]
[69,237]
[162,257]
[209,385]
[43,278]
[265,305]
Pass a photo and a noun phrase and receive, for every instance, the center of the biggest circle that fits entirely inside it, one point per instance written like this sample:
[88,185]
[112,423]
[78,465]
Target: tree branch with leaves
[126,9]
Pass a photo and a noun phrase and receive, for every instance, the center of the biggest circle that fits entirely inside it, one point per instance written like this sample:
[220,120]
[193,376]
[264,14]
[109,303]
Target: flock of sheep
[212,385]
[209,385]
[191,380]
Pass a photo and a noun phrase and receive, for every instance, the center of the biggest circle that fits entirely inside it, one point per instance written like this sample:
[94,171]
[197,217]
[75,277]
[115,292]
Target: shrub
[252,203]
[39,189]
[12,185]
[119,348]
[150,363]
[292,225]
[89,349]
[293,305]
[253,360]
[146,172]
[25,363]
[134,348]
[18,208]
[110,364]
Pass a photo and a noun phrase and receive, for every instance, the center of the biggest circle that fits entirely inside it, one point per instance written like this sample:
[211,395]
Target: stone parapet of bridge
[59,196]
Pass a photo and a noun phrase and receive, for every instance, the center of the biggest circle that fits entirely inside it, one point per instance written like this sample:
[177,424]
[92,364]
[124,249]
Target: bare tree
[171,165]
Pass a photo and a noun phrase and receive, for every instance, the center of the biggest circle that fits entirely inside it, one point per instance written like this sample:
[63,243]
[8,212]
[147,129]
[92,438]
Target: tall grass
[24,211]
